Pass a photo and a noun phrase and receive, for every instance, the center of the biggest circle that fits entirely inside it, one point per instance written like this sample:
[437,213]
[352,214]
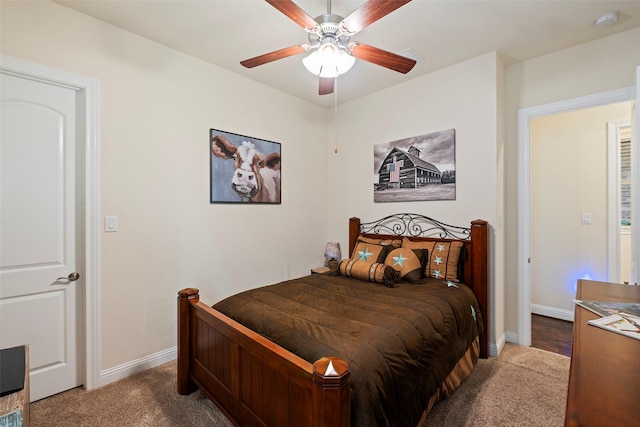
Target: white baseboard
[511,337]
[556,313]
[542,310]
[495,349]
[127,369]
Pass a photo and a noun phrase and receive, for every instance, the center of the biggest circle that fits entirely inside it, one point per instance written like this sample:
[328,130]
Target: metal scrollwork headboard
[415,225]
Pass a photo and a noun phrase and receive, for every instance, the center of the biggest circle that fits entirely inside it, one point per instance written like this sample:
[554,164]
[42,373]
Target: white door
[41,241]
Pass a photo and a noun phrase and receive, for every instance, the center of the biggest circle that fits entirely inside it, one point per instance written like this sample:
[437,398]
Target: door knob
[71,277]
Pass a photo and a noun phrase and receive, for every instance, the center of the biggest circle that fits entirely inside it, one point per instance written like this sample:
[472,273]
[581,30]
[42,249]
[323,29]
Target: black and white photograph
[416,169]
[243,169]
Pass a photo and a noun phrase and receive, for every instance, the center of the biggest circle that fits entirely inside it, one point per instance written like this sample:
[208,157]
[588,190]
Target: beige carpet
[523,387]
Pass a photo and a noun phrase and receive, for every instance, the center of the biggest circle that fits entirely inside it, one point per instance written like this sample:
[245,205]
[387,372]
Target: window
[625,181]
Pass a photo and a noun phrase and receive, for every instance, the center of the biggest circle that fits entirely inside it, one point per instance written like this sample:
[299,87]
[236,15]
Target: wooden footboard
[251,379]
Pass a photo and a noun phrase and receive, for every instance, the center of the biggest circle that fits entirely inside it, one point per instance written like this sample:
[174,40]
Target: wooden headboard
[475,239]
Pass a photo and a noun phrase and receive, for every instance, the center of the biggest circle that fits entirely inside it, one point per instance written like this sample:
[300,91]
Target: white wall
[599,66]
[463,97]
[568,178]
[157,106]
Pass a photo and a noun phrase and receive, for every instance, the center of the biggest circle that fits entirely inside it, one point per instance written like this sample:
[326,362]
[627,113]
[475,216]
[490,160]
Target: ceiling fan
[332,52]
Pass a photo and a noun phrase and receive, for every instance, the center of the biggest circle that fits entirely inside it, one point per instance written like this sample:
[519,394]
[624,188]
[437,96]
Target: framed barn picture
[243,169]
[415,169]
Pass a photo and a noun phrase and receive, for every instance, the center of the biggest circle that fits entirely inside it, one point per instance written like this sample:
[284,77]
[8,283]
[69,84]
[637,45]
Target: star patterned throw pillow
[443,263]
[369,252]
[409,262]
[443,257]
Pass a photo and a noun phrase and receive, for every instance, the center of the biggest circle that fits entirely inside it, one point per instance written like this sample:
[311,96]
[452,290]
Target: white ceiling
[442,33]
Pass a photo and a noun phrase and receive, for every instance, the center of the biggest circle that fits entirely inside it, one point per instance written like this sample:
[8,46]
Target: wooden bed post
[480,271]
[185,297]
[331,390]
[354,232]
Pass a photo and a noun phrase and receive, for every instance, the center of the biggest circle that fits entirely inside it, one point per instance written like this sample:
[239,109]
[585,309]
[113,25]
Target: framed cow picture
[416,169]
[243,169]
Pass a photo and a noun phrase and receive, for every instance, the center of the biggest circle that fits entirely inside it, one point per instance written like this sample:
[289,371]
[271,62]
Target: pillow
[408,243]
[370,271]
[393,242]
[444,260]
[443,257]
[370,252]
[410,263]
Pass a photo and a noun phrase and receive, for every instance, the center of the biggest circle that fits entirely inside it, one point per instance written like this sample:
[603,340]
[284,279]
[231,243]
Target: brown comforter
[400,343]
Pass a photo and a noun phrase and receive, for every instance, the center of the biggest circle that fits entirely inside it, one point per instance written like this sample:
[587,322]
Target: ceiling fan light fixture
[328,60]
[330,53]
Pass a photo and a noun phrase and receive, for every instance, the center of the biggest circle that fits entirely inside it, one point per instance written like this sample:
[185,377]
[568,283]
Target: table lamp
[332,255]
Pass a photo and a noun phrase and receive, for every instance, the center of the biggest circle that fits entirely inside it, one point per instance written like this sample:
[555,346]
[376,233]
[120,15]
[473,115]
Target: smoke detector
[607,20]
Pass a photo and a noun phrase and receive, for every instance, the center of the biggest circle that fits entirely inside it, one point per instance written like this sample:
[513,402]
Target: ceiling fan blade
[295,13]
[369,13]
[390,60]
[273,56]
[326,85]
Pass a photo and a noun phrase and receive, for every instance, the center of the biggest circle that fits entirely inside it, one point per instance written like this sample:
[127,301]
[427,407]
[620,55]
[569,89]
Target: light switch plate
[110,224]
[586,218]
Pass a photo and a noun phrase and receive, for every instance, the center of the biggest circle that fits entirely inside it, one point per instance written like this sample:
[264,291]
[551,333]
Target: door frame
[88,97]
[614,128]
[524,190]
[635,176]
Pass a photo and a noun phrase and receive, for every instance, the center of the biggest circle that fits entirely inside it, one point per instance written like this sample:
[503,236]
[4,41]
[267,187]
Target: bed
[307,366]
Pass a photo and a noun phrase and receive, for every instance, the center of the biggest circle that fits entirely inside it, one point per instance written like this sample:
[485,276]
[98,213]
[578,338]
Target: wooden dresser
[604,379]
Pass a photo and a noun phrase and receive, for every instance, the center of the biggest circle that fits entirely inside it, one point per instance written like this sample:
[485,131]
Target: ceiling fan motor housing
[329,28]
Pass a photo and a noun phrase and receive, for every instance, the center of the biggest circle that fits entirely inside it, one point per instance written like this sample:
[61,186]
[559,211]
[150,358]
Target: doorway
[525,116]
[32,82]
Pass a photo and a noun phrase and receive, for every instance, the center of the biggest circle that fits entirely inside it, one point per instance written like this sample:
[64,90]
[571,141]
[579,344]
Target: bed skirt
[459,373]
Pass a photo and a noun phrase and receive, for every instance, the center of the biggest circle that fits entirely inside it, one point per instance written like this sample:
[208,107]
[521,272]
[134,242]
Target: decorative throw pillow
[370,271]
[443,258]
[410,263]
[426,245]
[392,242]
[408,243]
[370,252]
[443,263]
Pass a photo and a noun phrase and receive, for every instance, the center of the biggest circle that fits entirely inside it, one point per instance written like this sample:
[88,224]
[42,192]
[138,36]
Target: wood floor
[551,334]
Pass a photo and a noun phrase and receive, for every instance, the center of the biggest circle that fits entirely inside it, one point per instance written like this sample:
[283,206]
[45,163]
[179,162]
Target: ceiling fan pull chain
[335,114]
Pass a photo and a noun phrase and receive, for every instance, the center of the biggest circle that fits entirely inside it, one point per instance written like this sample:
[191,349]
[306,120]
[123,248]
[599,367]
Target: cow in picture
[256,176]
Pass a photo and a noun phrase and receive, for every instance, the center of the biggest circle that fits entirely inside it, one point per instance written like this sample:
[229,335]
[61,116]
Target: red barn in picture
[418,168]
